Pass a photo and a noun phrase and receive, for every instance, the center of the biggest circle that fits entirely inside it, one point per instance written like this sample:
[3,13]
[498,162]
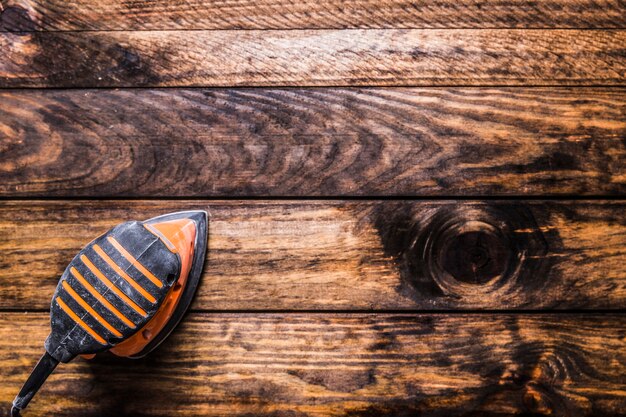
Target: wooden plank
[64,15]
[339,365]
[313,58]
[360,255]
[313,142]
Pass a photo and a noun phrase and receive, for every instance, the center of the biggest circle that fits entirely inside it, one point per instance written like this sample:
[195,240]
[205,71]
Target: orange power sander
[124,292]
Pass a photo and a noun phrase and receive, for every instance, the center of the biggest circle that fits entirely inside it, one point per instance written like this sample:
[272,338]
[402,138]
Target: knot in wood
[473,250]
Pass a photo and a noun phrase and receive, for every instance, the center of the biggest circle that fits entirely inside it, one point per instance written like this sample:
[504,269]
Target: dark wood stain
[303,364]
[382,98]
[325,58]
[15,19]
[304,142]
[470,251]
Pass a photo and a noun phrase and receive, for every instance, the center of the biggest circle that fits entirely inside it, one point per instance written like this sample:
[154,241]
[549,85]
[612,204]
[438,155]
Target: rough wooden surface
[340,365]
[367,255]
[62,15]
[303,142]
[313,58]
[307,307]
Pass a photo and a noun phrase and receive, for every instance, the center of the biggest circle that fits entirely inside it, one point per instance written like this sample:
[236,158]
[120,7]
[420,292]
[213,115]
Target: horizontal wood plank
[313,58]
[67,15]
[363,255]
[312,142]
[339,365]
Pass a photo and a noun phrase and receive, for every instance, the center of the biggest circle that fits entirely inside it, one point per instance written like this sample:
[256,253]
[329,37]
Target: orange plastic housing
[179,236]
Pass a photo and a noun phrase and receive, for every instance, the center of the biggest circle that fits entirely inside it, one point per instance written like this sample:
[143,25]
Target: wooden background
[417,207]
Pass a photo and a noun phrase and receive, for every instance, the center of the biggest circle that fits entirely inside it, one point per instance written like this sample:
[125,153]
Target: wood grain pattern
[366,255]
[340,365]
[66,15]
[312,142]
[355,308]
[313,58]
